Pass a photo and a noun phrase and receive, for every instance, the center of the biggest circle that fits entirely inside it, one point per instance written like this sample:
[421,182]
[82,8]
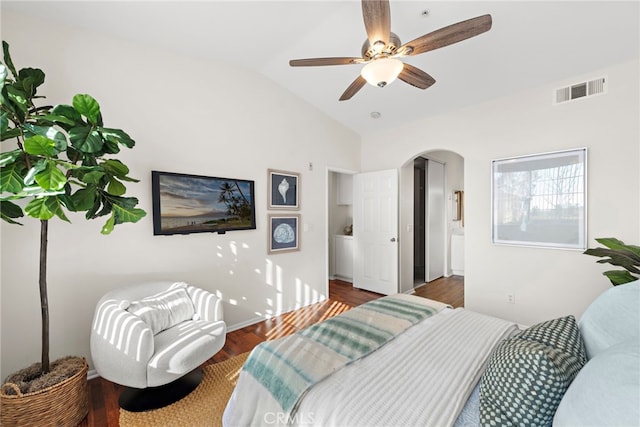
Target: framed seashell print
[283,190]
[283,233]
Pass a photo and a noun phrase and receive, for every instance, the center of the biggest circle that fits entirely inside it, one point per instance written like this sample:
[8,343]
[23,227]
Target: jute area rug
[202,407]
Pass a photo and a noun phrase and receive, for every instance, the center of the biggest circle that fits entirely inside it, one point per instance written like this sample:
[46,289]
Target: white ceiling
[530,43]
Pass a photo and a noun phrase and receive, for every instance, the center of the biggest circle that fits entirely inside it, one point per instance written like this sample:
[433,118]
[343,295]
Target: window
[540,200]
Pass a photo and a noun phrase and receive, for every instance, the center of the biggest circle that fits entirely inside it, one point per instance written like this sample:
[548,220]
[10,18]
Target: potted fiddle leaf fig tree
[618,253]
[55,159]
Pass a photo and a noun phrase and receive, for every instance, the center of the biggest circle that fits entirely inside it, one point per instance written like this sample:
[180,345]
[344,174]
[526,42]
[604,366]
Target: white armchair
[152,334]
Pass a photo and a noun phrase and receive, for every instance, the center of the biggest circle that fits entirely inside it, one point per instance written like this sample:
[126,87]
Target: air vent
[580,90]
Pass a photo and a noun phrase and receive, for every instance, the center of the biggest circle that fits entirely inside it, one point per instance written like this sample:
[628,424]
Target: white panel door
[435,221]
[375,231]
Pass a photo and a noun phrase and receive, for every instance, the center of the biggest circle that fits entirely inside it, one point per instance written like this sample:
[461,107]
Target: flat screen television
[185,204]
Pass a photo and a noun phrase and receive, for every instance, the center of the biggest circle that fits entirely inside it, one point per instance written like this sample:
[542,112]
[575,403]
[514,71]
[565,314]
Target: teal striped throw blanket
[289,366]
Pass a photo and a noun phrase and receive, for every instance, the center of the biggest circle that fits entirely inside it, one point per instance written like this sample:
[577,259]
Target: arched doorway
[414,254]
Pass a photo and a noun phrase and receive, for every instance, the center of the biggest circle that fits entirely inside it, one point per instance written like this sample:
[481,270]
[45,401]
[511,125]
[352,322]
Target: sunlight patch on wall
[268,273]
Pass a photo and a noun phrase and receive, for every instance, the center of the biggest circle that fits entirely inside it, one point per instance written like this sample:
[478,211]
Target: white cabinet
[343,257]
[344,193]
[457,254]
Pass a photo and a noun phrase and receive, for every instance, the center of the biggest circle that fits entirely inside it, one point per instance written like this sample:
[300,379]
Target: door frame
[407,203]
[327,236]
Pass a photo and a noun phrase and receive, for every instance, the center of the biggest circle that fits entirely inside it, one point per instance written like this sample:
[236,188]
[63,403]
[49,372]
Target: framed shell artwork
[284,233]
[283,190]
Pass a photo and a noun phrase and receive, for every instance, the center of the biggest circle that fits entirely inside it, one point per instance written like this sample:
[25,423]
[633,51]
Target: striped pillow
[164,310]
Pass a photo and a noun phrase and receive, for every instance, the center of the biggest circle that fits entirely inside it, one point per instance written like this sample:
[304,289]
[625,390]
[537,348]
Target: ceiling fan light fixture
[382,71]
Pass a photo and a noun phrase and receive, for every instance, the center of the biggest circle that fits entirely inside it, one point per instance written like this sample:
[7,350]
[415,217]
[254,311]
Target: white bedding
[422,377]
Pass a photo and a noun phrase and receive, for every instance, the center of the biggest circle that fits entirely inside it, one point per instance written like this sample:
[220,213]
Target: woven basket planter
[63,404]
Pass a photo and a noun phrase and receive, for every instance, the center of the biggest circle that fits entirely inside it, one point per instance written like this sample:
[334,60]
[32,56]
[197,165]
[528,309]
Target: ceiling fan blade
[353,88]
[448,35]
[377,20]
[312,62]
[415,77]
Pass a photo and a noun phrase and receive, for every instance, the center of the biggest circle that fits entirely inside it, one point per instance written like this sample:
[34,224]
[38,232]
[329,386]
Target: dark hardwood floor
[103,394]
[446,289]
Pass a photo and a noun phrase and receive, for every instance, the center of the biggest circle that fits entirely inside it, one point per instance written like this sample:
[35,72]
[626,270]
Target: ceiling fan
[381,50]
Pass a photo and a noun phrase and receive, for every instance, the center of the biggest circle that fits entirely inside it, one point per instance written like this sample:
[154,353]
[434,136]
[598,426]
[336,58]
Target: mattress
[422,377]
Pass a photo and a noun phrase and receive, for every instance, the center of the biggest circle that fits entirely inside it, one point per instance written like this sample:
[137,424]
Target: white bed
[431,374]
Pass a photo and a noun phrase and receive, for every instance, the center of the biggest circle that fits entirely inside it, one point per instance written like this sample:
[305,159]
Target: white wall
[188,116]
[546,282]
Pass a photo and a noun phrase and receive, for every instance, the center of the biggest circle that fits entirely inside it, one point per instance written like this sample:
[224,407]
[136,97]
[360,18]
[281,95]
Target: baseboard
[92,374]
[246,323]
[418,287]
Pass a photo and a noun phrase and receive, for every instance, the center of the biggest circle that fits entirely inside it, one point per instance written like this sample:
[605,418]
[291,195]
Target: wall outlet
[511,298]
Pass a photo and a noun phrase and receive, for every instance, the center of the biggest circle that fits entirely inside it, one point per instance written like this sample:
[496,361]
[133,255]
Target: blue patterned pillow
[562,334]
[528,374]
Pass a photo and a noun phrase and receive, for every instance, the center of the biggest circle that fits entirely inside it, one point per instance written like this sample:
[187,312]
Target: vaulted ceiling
[530,43]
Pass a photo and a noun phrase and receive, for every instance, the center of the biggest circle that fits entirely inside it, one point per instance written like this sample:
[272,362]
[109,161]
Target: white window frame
[540,200]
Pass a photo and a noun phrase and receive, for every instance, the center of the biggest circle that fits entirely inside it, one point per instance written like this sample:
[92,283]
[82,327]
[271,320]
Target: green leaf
[59,138]
[126,202]
[30,178]
[30,79]
[91,213]
[621,258]
[83,199]
[53,118]
[4,123]
[3,75]
[128,179]
[107,228]
[88,107]
[111,147]
[619,277]
[117,136]
[39,145]
[124,214]
[70,115]
[615,244]
[9,211]
[9,157]
[32,191]
[37,208]
[51,178]
[115,167]
[10,134]
[7,58]
[11,179]
[116,188]
[85,139]
[18,97]
[92,177]
[54,205]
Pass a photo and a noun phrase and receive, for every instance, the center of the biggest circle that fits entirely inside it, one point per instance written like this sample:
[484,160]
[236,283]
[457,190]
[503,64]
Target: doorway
[429,220]
[340,225]
[434,222]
